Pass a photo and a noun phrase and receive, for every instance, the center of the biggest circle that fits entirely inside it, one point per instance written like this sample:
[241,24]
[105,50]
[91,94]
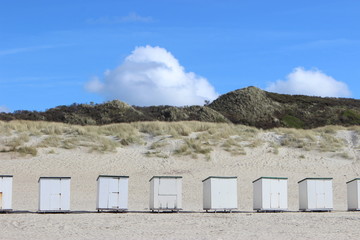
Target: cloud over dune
[310,82]
[153,76]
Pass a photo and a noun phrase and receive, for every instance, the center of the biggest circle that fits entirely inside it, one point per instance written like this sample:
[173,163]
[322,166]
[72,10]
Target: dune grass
[194,138]
[320,139]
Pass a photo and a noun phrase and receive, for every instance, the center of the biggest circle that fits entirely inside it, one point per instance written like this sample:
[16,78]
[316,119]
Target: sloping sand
[84,167]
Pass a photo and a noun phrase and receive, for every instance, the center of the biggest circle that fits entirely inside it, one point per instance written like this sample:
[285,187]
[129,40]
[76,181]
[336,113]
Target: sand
[84,167]
[338,225]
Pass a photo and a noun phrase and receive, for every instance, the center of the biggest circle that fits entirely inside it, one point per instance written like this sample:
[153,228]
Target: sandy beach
[336,225]
[193,223]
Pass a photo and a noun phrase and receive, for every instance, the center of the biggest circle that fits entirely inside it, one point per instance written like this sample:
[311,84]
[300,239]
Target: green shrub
[351,117]
[292,122]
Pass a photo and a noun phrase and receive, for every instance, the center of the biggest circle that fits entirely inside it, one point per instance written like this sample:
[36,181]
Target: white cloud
[310,82]
[131,17]
[4,109]
[153,76]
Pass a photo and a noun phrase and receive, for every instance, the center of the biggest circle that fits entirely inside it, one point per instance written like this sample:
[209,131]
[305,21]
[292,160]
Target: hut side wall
[257,195]
[303,196]
[6,193]
[353,195]
[154,183]
[207,194]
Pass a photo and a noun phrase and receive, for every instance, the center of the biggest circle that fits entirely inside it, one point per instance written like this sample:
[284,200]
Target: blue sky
[52,51]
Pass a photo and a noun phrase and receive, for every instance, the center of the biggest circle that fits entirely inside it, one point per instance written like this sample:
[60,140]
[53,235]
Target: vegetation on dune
[165,139]
[249,106]
[189,113]
[254,107]
[292,122]
[351,116]
[116,112]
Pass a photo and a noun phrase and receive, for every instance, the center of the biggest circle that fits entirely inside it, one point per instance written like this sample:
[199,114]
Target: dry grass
[27,150]
[275,147]
[158,154]
[191,146]
[320,139]
[233,146]
[50,141]
[158,144]
[330,143]
[195,137]
[344,155]
[17,143]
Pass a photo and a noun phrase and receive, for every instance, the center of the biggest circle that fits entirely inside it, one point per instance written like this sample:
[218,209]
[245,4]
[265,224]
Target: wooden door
[167,201]
[320,194]
[1,197]
[114,195]
[167,194]
[55,195]
[274,194]
[168,186]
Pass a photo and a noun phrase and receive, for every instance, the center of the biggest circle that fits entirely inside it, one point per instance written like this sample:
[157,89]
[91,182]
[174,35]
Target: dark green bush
[292,122]
[351,117]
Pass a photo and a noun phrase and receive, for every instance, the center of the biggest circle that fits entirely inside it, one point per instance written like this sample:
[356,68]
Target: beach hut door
[1,197]
[320,194]
[167,193]
[113,200]
[55,196]
[274,194]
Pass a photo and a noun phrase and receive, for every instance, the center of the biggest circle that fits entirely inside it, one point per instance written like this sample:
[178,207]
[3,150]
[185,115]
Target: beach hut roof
[315,179]
[53,178]
[165,177]
[111,176]
[270,178]
[353,180]
[217,177]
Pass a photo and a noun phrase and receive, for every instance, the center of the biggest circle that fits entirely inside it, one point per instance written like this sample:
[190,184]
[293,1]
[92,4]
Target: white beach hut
[315,194]
[353,194]
[6,193]
[270,194]
[54,194]
[112,193]
[165,193]
[220,193]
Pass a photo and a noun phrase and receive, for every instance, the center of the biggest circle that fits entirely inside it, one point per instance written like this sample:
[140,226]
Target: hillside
[249,106]
[254,107]
[116,112]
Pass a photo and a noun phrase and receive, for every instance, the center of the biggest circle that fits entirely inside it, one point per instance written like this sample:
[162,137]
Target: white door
[113,199]
[55,195]
[274,194]
[220,198]
[320,194]
[167,186]
[167,202]
[167,193]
